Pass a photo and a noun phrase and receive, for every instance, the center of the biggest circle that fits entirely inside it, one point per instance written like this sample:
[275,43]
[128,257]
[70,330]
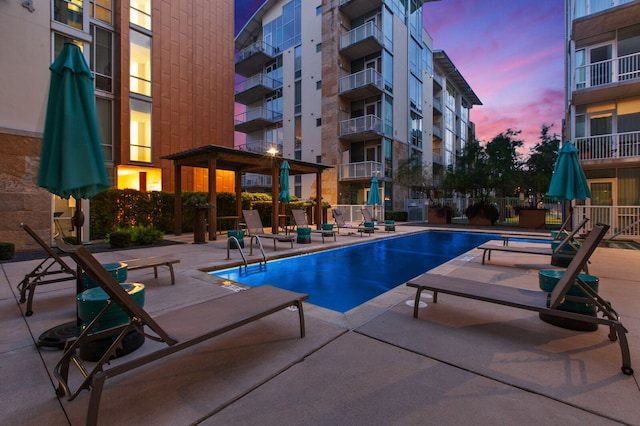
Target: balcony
[361,41]
[595,6]
[361,128]
[609,147]
[355,8]
[437,131]
[437,158]
[256,119]
[360,171]
[437,106]
[254,88]
[260,147]
[253,180]
[361,85]
[615,70]
[251,59]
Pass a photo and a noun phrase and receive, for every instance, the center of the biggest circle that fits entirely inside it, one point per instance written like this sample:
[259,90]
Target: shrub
[7,250]
[483,210]
[145,235]
[120,239]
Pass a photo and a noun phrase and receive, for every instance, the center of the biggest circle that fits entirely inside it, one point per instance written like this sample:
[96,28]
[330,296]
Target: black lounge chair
[51,270]
[544,303]
[178,329]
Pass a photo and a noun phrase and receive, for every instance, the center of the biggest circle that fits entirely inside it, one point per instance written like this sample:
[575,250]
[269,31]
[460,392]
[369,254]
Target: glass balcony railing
[365,124]
[583,8]
[260,147]
[361,170]
[358,34]
[360,80]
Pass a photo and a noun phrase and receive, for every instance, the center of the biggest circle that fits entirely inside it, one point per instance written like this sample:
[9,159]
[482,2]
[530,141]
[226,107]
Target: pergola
[213,157]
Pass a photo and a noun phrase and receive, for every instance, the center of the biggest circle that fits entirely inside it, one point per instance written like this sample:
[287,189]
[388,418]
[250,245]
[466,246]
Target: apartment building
[350,84]
[603,105]
[163,74]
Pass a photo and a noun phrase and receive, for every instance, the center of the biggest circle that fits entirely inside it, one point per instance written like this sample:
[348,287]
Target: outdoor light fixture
[272,151]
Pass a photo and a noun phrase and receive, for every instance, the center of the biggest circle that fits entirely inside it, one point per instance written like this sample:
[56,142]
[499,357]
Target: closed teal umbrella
[71,162]
[284,196]
[374,195]
[568,181]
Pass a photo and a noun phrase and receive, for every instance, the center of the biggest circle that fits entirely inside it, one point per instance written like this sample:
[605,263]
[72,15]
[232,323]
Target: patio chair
[300,221]
[178,329]
[545,303]
[51,270]
[340,222]
[565,249]
[256,230]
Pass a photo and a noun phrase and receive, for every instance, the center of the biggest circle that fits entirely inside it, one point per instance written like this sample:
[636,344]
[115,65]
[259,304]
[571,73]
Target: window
[102,10]
[297,97]
[319,10]
[69,12]
[318,122]
[104,110]
[318,84]
[318,47]
[140,131]
[140,63]
[140,13]
[102,64]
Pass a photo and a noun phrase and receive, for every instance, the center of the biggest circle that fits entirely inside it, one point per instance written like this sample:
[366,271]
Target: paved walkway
[463,362]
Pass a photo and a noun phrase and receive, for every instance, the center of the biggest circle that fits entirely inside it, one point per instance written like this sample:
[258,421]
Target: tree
[414,175]
[541,161]
[469,175]
[505,163]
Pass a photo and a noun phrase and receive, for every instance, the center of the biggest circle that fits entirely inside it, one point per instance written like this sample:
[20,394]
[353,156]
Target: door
[603,194]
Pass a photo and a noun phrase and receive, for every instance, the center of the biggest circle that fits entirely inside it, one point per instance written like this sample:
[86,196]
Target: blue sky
[509,51]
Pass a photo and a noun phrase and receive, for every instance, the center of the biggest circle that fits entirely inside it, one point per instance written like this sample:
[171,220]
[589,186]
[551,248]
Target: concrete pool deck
[461,362]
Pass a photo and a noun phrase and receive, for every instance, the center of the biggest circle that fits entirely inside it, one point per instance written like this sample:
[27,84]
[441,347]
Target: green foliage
[414,175]
[145,235]
[400,216]
[482,209]
[541,162]
[504,163]
[120,239]
[7,251]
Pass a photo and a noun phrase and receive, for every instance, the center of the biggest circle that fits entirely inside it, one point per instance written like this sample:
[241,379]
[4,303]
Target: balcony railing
[610,71]
[253,180]
[255,88]
[584,8]
[623,220]
[360,171]
[361,41]
[437,158]
[606,147]
[437,131]
[362,83]
[256,118]
[251,59]
[260,147]
[365,124]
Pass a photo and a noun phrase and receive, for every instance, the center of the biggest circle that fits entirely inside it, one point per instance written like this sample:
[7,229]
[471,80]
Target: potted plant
[482,213]
[439,214]
[530,216]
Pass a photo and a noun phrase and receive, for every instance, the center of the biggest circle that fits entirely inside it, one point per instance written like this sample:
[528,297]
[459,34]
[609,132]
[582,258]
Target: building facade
[350,84]
[163,74]
[603,105]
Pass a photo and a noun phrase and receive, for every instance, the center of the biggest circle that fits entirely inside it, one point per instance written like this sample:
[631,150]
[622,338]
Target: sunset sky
[509,51]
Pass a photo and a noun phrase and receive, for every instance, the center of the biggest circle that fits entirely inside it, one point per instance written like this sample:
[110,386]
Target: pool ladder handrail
[234,239]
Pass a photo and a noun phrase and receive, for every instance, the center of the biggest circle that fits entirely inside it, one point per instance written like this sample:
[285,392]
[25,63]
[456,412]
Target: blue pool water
[343,278]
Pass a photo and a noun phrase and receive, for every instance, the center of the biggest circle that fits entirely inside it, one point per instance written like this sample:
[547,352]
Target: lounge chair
[543,302]
[340,223]
[300,221]
[51,270]
[178,329]
[256,230]
[555,253]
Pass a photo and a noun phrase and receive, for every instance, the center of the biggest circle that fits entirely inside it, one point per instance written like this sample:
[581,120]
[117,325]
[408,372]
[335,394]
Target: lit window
[68,12]
[140,13]
[102,10]
[140,63]
[140,131]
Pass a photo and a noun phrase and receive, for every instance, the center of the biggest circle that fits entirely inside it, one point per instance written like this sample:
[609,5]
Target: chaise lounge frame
[256,230]
[181,328]
[300,220]
[544,251]
[53,269]
[540,301]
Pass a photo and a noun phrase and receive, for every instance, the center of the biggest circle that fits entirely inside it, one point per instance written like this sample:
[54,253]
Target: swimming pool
[343,278]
